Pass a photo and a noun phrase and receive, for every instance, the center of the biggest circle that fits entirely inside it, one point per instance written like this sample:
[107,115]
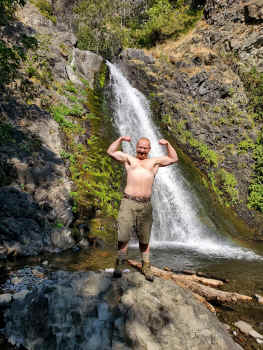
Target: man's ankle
[146,271]
[120,264]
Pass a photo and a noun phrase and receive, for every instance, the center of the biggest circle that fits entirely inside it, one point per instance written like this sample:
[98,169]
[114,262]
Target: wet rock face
[34,192]
[91,311]
[34,184]
[22,224]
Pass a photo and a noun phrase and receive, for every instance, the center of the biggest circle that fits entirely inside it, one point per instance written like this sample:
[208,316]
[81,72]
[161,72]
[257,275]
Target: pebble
[24,279]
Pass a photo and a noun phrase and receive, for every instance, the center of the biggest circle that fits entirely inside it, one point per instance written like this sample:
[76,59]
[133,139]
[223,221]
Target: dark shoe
[119,267]
[147,272]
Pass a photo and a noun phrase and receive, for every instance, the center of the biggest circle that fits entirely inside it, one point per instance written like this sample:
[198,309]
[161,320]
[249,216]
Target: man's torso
[140,176]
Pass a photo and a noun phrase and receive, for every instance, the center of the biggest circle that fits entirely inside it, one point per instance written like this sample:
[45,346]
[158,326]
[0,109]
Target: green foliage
[92,170]
[45,9]
[253,82]
[228,183]
[11,55]
[255,199]
[69,86]
[104,26]
[60,111]
[209,156]
[165,21]
[7,9]
[246,145]
[224,185]
[9,63]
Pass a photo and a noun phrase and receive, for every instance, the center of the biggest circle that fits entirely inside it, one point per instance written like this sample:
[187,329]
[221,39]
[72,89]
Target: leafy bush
[7,9]
[253,81]
[11,55]
[9,63]
[255,199]
[92,170]
[106,26]
[164,21]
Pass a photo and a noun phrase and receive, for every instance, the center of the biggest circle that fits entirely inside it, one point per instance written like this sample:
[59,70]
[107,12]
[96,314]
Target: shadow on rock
[93,311]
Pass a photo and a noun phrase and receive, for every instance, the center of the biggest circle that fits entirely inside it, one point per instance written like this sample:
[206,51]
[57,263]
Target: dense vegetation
[106,26]
[91,168]
[253,81]
[12,53]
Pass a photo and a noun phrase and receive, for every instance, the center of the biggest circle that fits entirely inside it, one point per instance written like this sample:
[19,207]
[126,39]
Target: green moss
[96,177]
[255,199]
[209,156]
[246,145]
[228,184]
[224,185]
[253,82]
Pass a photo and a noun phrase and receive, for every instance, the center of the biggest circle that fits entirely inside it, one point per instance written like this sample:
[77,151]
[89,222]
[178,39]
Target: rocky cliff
[205,90]
[43,117]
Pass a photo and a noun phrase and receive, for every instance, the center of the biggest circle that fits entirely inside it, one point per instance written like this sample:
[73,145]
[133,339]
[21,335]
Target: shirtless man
[136,210]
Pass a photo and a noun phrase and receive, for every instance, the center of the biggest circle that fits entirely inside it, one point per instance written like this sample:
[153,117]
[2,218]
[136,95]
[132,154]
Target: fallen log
[197,273]
[193,283]
[184,277]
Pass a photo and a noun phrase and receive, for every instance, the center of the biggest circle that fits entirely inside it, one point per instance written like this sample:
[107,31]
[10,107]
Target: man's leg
[125,224]
[145,257]
[121,259]
[144,226]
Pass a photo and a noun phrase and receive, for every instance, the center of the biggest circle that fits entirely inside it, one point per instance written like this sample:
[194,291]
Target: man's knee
[122,245]
[143,246]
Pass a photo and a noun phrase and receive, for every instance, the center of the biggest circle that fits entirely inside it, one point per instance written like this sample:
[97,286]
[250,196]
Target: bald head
[143,147]
[145,139]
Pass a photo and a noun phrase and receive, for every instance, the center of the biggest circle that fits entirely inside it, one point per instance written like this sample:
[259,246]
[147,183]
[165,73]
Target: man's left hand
[163,142]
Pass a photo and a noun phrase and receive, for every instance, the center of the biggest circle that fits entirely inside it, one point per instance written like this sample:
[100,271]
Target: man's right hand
[126,138]
[115,153]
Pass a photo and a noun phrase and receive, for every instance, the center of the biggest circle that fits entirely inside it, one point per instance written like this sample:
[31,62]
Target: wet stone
[24,279]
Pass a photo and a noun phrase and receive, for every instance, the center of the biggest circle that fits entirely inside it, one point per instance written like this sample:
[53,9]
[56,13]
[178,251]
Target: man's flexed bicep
[171,155]
[114,152]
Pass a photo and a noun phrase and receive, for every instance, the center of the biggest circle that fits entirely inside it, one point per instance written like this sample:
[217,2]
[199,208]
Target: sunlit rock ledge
[88,310]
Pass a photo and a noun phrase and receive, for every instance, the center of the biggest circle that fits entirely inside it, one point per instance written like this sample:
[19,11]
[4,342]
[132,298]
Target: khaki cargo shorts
[134,217]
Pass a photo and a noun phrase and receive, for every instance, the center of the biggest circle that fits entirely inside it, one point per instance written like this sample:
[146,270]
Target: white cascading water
[176,209]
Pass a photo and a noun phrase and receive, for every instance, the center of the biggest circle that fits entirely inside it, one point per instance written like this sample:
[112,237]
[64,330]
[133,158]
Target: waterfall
[176,208]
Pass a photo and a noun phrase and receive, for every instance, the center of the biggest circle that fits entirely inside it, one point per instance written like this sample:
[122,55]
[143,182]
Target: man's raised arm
[115,153]
[171,154]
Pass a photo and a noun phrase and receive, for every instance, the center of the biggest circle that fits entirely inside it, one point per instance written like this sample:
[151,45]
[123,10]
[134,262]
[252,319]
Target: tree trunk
[199,286]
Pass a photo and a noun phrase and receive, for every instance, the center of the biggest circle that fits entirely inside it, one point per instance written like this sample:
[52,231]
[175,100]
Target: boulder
[84,64]
[88,310]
